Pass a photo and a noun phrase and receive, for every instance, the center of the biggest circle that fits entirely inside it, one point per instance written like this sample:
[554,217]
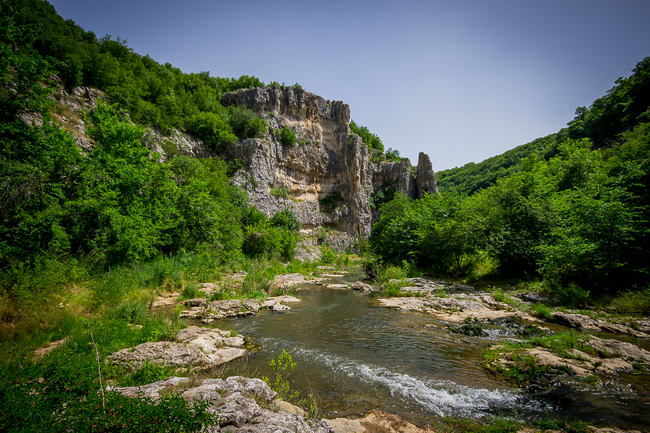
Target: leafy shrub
[282,369]
[632,302]
[190,291]
[280,192]
[572,295]
[287,137]
[370,139]
[133,312]
[245,124]
[271,242]
[215,132]
[327,256]
[541,310]
[286,219]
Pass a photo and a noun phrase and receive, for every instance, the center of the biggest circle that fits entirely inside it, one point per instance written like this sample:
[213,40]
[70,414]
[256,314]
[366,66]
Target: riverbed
[356,356]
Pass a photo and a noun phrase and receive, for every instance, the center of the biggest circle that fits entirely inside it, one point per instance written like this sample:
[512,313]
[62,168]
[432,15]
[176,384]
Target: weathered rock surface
[236,401]
[607,347]
[579,321]
[286,281]
[375,422]
[362,286]
[192,347]
[209,312]
[327,162]
[451,302]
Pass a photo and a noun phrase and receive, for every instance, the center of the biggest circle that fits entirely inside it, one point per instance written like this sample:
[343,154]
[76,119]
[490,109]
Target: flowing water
[356,356]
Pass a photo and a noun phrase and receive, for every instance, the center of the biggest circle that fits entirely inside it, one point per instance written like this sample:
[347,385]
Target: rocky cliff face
[327,177]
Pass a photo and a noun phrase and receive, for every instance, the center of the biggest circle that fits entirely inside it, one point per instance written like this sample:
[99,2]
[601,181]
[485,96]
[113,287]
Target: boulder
[193,347]
[578,321]
[362,286]
[286,281]
[242,404]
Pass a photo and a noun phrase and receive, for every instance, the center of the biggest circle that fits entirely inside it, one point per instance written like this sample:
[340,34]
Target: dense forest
[570,208]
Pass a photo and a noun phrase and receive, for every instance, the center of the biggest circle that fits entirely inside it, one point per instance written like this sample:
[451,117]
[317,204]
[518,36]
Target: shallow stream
[356,356]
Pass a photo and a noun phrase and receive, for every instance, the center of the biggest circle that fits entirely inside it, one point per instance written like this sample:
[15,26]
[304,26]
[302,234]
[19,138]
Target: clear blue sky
[461,80]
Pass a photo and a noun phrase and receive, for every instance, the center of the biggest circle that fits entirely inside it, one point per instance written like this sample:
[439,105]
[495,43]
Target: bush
[212,130]
[280,192]
[132,312]
[271,242]
[327,256]
[632,302]
[286,219]
[245,124]
[287,137]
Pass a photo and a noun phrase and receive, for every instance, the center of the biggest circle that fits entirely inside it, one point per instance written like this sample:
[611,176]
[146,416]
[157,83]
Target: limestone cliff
[327,178]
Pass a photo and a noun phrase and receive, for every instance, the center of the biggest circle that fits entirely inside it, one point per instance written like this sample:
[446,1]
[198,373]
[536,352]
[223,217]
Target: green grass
[60,391]
[523,368]
[542,311]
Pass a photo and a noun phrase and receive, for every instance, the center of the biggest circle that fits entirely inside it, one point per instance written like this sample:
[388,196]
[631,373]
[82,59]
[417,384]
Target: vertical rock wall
[327,177]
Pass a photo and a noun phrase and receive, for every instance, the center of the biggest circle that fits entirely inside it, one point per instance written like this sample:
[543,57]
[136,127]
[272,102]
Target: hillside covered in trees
[571,208]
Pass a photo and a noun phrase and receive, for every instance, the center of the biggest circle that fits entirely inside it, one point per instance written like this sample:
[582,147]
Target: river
[356,356]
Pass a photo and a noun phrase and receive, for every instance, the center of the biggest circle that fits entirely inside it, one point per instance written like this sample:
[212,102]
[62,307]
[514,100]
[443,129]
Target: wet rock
[579,321]
[236,401]
[196,302]
[379,421]
[615,328]
[338,286]
[362,286]
[608,348]
[214,310]
[454,304]
[192,347]
[452,309]
[277,303]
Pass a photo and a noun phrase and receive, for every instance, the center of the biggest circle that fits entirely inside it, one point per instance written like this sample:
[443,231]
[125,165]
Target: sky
[460,80]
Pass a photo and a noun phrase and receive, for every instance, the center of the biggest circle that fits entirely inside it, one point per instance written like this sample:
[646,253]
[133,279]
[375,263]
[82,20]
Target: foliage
[60,392]
[370,139]
[280,192]
[215,132]
[577,220]
[287,137]
[282,369]
[286,219]
[245,124]
[473,177]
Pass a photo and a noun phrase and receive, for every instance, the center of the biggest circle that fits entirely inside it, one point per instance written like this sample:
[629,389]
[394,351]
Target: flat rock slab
[286,281]
[338,286]
[452,309]
[579,321]
[192,347]
[236,401]
[215,310]
[277,303]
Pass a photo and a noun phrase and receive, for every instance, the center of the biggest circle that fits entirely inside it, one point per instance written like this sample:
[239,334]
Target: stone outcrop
[208,312]
[327,178]
[241,404]
[193,347]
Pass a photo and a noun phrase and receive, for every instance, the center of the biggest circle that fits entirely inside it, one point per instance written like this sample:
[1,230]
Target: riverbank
[390,353]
